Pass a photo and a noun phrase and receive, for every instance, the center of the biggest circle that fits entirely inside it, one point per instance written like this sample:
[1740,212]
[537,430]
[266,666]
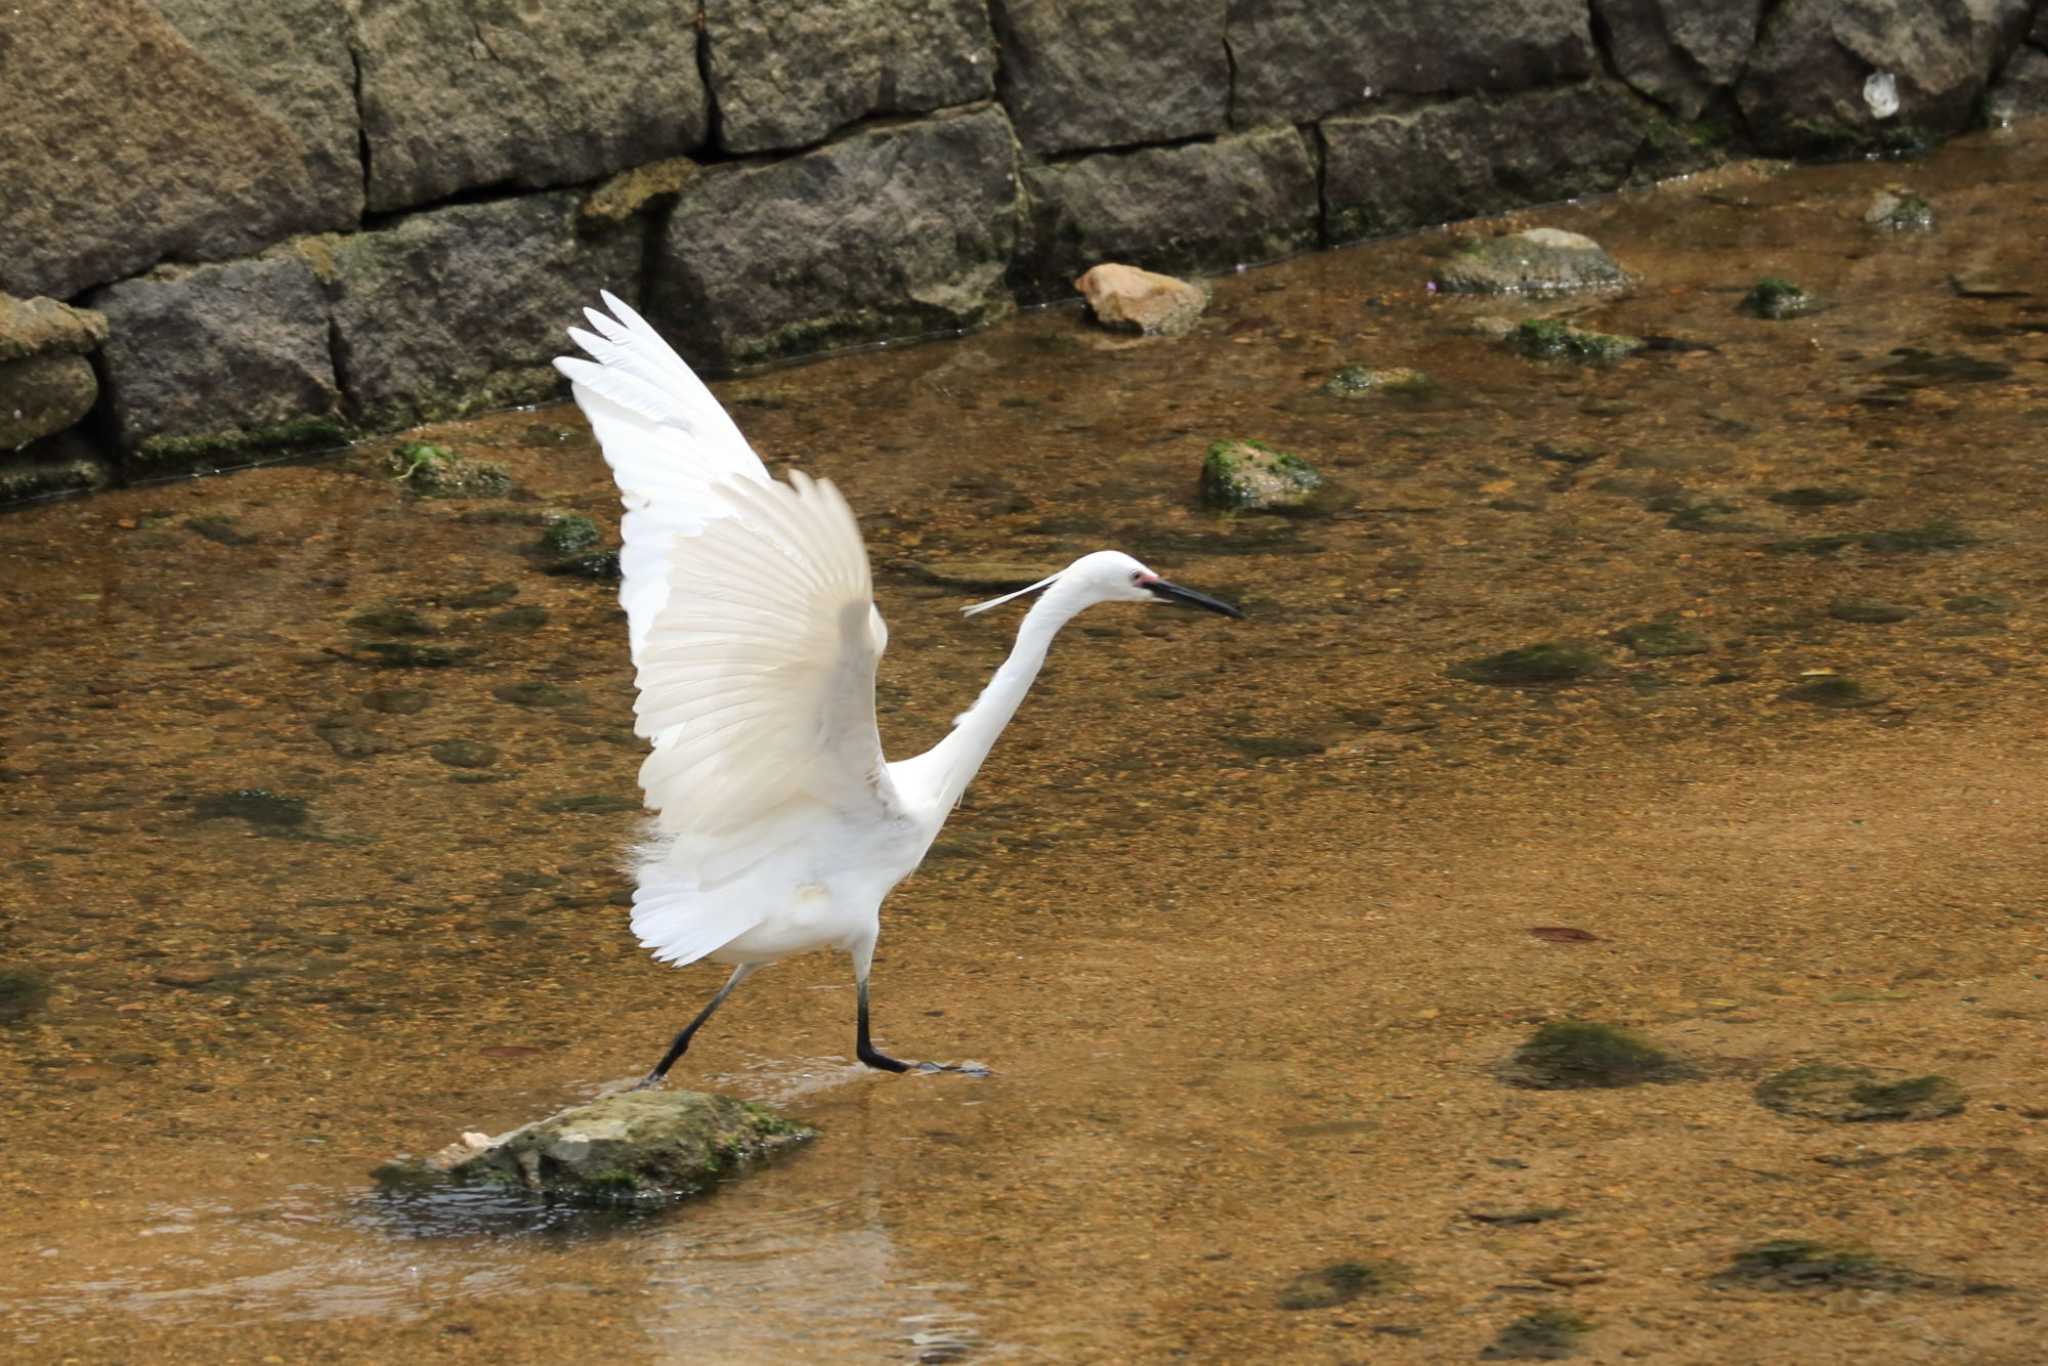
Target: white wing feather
[668,442]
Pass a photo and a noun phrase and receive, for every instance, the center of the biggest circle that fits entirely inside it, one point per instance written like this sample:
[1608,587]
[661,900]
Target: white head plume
[981,607]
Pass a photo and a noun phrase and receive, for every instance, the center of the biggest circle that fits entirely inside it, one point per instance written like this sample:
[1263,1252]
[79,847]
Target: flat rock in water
[1537,261]
[1127,299]
[630,1148]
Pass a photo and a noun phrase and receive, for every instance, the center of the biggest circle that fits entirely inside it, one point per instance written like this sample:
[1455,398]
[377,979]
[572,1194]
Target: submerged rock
[1899,211]
[1127,299]
[567,533]
[1777,299]
[1242,475]
[1857,1095]
[1805,1264]
[1339,1283]
[1536,261]
[437,472]
[256,805]
[1662,639]
[23,991]
[1567,1055]
[1546,1335]
[1547,662]
[1868,611]
[1832,691]
[632,1148]
[1552,339]
[1359,381]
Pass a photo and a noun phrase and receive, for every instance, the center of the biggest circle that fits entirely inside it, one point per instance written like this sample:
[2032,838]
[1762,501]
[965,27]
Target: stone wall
[282,224]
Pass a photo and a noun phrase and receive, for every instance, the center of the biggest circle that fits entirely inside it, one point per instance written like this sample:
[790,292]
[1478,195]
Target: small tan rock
[1133,300]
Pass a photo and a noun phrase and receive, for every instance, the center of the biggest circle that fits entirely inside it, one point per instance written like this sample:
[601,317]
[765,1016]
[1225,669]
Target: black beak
[1188,597]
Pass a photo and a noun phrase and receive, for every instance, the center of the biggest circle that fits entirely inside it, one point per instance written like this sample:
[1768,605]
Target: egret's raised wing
[757,680]
[668,442]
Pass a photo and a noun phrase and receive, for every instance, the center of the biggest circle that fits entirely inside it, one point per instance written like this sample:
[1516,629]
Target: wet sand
[1240,912]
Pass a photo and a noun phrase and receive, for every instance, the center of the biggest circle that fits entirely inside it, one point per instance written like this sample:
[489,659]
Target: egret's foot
[965,1069]
[881,1061]
[651,1082]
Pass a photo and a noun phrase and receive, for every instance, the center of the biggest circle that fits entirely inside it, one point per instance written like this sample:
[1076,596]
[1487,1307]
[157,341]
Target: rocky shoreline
[328,218]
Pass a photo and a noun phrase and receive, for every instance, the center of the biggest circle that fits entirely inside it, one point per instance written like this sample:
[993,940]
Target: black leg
[682,1043]
[865,1050]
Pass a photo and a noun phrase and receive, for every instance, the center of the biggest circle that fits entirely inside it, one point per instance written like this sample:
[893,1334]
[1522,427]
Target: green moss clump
[1566,1055]
[1546,1335]
[1662,640]
[1241,475]
[1901,211]
[568,533]
[437,472]
[1776,298]
[1339,1283]
[23,991]
[1551,339]
[1548,662]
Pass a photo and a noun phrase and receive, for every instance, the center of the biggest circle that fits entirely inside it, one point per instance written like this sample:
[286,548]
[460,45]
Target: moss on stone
[392,621]
[435,471]
[256,805]
[236,446]
[1553,339]
[1856,1095]
[1546,1335]
[568,533]
[1547,662]
[1832,691]
[1359,381]
[1249,474]
[1567,1055]
[1776,298]
[1662,639]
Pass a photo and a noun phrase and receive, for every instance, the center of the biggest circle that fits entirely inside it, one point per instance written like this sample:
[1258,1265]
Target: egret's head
[1112,576]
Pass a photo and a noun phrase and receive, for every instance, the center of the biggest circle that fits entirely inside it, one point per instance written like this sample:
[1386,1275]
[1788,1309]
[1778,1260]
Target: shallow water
[1239,912]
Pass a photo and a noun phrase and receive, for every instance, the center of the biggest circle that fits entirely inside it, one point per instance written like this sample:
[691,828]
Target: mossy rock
[1663,640]
[1869,611]
[434,471]
[1359,381]
[23,991]
[1568,1055]
[1551,339]
[1857,1095]
[1546,1335]
[1547,662]
[1833,691]
[237,446]
[464,753]
[634,1148]
[1777,299]
[569,534]
[1339,1283]
[1806,1264]
[1900,211]
[1250,475]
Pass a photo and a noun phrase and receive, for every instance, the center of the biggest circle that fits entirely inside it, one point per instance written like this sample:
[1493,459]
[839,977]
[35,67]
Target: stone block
[1086,74]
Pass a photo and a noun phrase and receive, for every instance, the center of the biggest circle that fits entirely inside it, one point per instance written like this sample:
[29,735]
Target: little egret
[779,827]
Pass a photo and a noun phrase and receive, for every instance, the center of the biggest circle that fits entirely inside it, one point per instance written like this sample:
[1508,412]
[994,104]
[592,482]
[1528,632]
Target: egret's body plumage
[778,826]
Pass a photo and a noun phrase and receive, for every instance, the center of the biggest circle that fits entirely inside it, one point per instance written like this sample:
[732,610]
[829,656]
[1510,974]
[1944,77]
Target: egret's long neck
[951,764]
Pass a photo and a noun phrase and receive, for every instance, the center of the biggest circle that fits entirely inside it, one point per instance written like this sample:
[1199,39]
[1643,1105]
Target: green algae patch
[1340,1283]
[433,471]
[1662,640]
[1857,1095]
[1551,339]
[1570,1055]
[1547,662]
[633,1148]
[1546,1335]
[300,435]
[1776,298]
[1249,475]
[23,991]
[568,533]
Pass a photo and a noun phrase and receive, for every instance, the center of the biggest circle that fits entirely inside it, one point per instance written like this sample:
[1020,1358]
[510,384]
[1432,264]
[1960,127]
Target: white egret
[779,827]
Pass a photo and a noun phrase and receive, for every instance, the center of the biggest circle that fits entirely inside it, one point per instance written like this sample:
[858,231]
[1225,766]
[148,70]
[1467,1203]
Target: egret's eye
[1137,576]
